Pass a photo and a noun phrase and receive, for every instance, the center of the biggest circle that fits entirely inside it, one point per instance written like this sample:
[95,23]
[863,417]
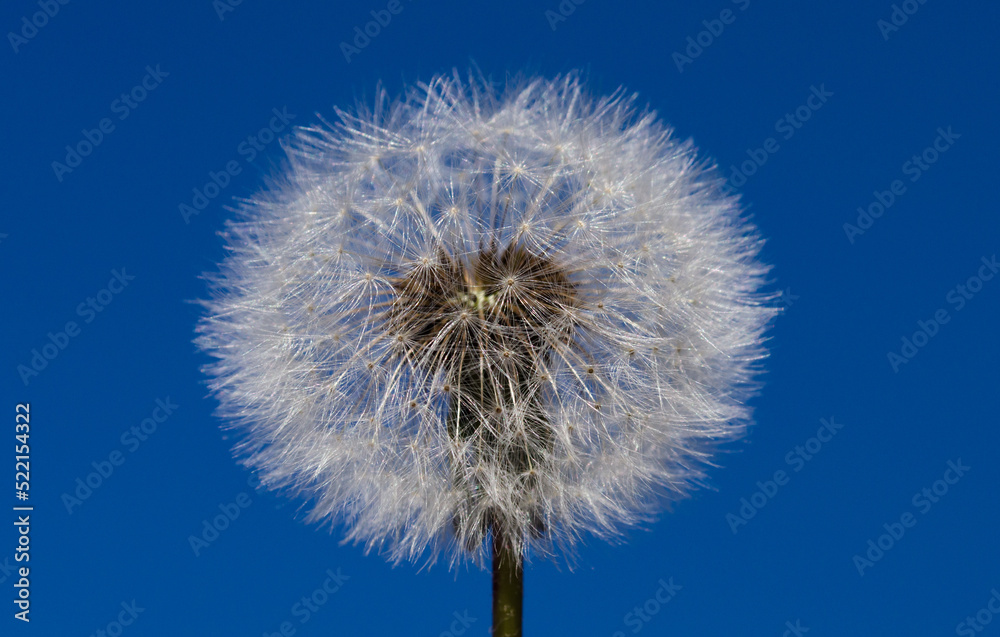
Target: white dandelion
[530,315]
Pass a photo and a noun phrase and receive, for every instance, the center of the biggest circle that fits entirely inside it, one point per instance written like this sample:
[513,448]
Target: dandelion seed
[458,373]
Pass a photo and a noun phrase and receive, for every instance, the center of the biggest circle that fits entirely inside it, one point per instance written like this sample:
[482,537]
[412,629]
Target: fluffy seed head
[467,311]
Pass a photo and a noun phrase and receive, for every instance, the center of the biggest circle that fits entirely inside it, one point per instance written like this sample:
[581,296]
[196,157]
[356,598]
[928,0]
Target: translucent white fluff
[530,312]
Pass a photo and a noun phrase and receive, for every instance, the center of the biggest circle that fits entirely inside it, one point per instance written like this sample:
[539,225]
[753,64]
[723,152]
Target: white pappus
[528,311]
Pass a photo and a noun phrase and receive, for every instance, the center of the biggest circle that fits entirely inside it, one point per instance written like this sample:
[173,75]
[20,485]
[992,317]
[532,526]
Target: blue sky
[861,135]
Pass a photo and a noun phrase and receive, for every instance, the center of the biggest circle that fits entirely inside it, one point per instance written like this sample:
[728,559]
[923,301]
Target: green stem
[508,588]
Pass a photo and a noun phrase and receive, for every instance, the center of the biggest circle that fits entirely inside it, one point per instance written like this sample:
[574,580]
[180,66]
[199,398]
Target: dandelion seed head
[469,310]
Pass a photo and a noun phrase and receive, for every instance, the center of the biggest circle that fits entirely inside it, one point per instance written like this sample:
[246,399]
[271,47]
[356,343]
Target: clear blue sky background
[851,298]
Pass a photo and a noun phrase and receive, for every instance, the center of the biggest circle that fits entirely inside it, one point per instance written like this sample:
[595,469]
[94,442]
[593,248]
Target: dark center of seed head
[490,324]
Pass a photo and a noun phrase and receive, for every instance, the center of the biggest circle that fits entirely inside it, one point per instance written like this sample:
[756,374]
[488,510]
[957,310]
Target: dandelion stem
[508,588]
